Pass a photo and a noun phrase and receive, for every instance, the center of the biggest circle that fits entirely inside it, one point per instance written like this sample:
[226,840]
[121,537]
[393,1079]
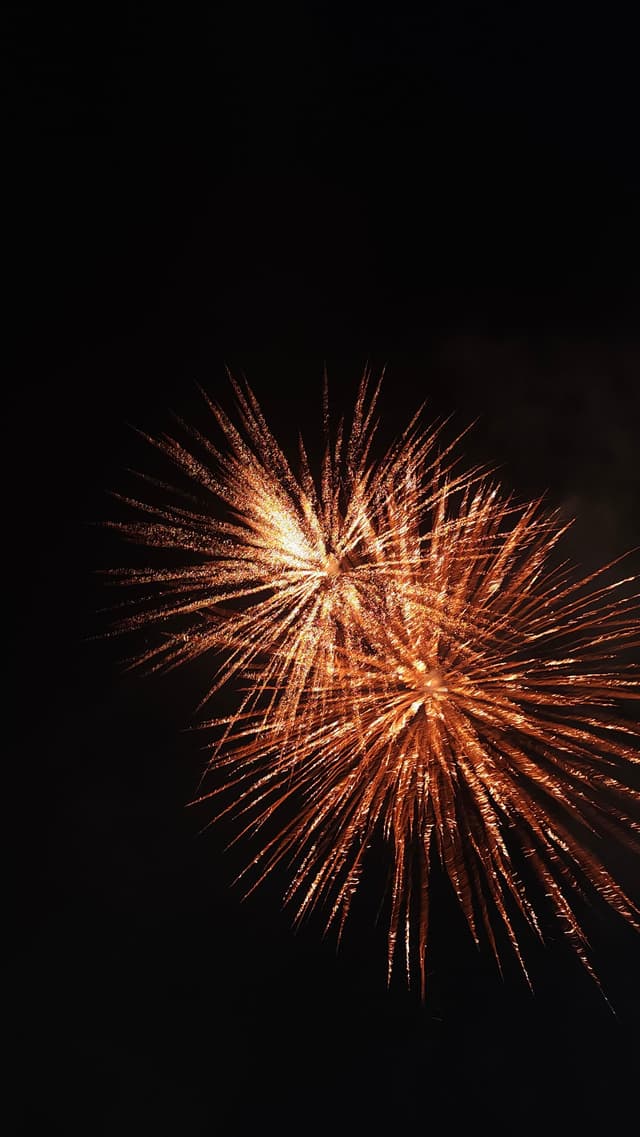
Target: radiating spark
[417,667]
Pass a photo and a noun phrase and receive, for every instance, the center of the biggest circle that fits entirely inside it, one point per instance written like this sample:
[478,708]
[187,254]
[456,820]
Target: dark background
[450,190]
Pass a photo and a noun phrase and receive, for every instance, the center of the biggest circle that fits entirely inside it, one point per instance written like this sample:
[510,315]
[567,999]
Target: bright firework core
[338,609]
[428,682]
[333,566]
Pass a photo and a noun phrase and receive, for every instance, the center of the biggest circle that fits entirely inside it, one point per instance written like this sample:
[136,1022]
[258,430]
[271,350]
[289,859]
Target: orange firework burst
[292,570]
[416,668]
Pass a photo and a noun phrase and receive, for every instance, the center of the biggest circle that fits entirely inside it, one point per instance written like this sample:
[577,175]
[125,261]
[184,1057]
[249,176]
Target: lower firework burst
[476,725]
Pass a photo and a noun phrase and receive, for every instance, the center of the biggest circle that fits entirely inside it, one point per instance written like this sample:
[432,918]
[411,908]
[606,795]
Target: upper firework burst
[295,567]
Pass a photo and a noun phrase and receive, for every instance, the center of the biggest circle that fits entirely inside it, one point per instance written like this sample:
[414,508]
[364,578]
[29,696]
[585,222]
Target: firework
[416,667]
[292,568]
[478,721]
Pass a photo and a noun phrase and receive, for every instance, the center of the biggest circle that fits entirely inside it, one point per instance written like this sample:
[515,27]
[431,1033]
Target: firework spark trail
[416,666]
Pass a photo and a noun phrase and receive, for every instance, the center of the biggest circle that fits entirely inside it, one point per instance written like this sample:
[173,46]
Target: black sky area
[447,190]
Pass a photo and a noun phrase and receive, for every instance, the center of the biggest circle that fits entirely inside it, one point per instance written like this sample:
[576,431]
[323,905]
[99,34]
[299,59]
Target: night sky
[450,191]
